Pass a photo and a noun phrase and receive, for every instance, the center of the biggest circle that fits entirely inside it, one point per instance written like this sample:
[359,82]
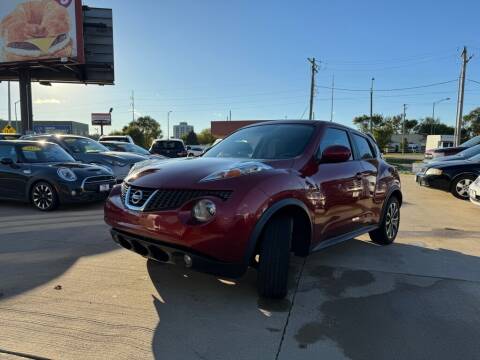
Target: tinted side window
[8,151]
[332,137]
[363,147]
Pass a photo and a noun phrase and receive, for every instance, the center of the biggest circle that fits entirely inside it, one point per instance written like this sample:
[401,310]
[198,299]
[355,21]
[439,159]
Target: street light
[168,124]
[432,127]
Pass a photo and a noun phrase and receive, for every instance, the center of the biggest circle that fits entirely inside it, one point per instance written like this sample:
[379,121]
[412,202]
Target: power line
[394,89]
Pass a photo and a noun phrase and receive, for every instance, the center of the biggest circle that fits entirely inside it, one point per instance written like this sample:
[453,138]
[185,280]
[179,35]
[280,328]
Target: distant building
[53,127]
[181,129]
[221,129]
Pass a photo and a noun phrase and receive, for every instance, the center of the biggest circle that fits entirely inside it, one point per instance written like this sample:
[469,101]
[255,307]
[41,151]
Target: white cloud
[46,101]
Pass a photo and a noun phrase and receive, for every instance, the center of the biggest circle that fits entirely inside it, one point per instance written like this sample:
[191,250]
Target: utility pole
[9,106]
[133,105]
[331,105]
[403,128]
[371,107]
[168,124]
[312,85]
[230,115]
[461,94]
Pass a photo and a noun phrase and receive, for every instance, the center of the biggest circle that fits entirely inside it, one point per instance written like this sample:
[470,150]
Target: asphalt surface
[67,292]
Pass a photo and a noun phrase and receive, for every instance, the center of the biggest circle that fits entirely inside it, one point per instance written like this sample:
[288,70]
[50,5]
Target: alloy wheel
[462,187]
[392,220]
[42,196]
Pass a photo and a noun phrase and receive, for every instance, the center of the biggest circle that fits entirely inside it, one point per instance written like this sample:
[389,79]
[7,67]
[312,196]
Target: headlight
[204,210]
[244,168]
[433,171]
[66,174]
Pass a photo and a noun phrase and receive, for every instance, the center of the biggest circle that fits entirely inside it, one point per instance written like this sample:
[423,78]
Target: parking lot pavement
[66,292]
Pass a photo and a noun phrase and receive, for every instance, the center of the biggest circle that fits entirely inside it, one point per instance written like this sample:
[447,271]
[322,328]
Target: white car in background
[474,192]
[195,150]
[120,138]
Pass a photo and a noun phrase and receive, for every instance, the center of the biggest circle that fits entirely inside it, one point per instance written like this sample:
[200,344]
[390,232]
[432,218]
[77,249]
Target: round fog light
[188,261]
[204,210]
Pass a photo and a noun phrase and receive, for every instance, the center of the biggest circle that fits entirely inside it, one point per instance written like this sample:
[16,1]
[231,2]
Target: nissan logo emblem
[136,197]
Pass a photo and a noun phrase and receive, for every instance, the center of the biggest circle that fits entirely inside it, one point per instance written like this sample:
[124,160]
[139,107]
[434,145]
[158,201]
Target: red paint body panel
[339,198]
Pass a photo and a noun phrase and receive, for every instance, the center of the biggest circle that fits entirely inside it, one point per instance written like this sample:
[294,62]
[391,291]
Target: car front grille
[167,199]
[92,183]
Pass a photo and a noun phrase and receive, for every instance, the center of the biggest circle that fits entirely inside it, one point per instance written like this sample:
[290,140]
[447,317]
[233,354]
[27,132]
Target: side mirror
[7,161]
[336,154]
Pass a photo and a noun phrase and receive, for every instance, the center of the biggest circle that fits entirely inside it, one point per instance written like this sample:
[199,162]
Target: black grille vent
[125,188]
[173,199]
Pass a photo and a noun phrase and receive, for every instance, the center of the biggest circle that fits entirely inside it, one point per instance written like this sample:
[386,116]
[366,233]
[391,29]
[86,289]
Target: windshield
[44,153]
[83,145]
[276,141]
[133,149]
[474,150]
[472,142]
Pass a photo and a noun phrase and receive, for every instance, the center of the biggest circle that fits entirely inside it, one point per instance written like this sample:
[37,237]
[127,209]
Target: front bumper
[440,182]
[85,190]
[178,255]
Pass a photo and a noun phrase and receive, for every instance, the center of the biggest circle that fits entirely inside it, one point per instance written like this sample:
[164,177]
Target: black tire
[459,186]
[272,280]
[388,230]
[43,196]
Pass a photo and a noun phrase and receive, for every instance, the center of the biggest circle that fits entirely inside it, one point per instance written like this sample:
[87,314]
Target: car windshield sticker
[31,148]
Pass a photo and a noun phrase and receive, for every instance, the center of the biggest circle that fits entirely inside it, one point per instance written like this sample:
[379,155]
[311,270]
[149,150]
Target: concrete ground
[67,292]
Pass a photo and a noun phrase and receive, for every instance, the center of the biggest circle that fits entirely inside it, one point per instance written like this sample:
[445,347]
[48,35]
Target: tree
[191,138]
[143,131]
[383,135]
[363,122]
[205,137]
[410,125]
[429,126]
[472,122]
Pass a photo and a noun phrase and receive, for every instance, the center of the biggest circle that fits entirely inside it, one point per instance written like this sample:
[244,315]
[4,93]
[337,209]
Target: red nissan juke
[265,191]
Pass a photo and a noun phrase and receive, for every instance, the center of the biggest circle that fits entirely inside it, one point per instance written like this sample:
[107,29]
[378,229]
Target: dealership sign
[101,119]
[39,30]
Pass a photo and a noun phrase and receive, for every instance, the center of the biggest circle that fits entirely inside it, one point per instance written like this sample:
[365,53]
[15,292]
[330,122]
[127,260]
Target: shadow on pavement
[36,248]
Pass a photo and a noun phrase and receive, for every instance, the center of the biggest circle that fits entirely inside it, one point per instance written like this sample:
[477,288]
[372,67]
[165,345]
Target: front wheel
[275,257]
[388,230]
[44,197]
[460,187]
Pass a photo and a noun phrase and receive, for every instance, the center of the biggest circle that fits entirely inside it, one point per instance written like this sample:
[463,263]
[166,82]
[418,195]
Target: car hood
[109,156]
[81,170]
[444,164]
[183,172]
[447,158]
[448,150]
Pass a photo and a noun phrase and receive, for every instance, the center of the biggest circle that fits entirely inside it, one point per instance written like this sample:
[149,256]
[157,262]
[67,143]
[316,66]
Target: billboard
[41,30]
[104,119]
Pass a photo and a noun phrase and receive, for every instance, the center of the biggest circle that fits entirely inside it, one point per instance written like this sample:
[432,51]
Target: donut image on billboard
[33,30]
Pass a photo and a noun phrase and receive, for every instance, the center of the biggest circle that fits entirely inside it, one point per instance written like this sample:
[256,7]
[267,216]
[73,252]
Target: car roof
[115,142]
[24,142]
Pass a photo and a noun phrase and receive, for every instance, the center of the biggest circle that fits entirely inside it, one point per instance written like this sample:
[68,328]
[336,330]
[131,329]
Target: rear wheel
[460,187]
[44,197]
[388,230]
[275,257]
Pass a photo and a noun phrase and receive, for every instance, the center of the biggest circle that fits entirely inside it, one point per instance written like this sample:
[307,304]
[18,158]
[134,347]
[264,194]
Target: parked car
[121,138]
[447,151]
[195,150]
[128,147]
[453,176]
[89,151]
[45,175]
[474,192]
[172,148]
[266,190]
[462,155]
[10,136]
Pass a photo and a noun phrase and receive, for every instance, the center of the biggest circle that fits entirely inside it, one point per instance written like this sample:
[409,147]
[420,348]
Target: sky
[201,59]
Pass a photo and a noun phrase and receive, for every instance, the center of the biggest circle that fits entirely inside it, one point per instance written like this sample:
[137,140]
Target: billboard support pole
[25,84]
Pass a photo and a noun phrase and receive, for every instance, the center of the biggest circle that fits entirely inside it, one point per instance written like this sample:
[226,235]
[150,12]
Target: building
[181,130]
[221,129]
[53,127]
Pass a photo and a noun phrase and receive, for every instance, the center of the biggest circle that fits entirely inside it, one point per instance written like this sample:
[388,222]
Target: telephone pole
[331,105]
[312,85]
[461,94]
[133,105]
[403,128]
[371,106]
